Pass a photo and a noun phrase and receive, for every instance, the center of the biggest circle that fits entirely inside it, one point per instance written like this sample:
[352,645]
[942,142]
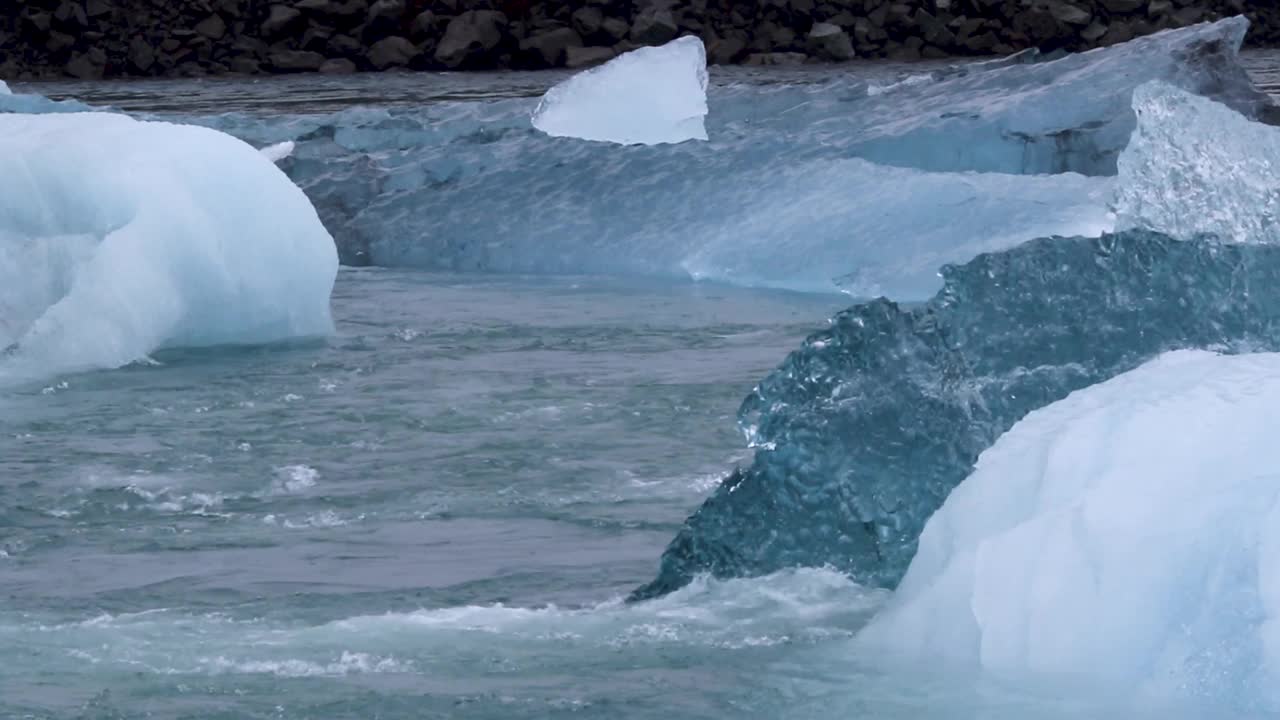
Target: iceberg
[120,237]
[863,432]
[417,186]
[648,96]
[1195,167]
[1127,536]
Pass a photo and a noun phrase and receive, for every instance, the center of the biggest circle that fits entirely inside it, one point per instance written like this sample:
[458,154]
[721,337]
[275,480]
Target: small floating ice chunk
[279,151]
[1196,166]
[648,96]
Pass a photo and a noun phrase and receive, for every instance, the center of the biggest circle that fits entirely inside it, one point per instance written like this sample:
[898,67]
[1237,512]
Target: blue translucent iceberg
[863,431]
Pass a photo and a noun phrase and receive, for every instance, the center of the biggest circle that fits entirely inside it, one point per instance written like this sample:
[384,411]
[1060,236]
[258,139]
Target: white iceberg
[120,237]
[649,96]
[1196,166]
[1126,537]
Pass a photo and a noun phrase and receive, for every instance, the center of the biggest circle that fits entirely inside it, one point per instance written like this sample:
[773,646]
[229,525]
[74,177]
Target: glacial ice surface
[863,431]
[1195,166]
[1127,536]
[120,237]
[649,96]
[417,186]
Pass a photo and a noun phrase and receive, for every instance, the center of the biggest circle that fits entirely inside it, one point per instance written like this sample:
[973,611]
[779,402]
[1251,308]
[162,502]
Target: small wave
[293,479]
[349,663]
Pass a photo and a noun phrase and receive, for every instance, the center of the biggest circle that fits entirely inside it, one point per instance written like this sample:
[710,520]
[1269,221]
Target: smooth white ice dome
[1126,537]
[120,237]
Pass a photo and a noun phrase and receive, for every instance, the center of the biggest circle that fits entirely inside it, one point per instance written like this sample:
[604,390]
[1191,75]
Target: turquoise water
[434,513]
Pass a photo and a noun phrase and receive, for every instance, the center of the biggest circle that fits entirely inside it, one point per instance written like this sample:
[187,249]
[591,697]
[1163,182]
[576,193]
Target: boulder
[394,51]
[295,60]
[1122,6]
[97,8]
[829,42]
[577,57]
[71,14]
[346,10]
[613,30]
[778,58]
[1067,13]
[337,66]
[548,48]
[344,46]
[654,27]
[141,55]
[587,21]
[726,50]
[212,27]
[471,39]
[88,65]
[384,18]
[423,26]
[245,65]
[280,19]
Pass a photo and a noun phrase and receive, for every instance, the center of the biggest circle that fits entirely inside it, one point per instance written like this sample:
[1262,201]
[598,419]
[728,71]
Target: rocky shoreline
[90,39]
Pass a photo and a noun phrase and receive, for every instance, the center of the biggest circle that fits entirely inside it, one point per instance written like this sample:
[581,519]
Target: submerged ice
[1126,536]
[648,96]
[120,237]
[416,187]
[863,432]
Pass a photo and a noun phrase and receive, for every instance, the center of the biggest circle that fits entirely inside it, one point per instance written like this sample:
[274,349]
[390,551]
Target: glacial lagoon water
[438,511]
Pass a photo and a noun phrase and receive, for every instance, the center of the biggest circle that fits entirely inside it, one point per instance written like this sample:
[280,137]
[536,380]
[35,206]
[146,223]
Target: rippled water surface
[435,512]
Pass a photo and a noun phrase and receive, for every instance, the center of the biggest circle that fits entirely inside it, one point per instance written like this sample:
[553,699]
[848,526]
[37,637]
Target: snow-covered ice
[120,237]
[648,96]
[1127,536]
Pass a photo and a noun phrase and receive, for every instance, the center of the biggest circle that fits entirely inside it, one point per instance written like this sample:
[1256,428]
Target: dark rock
[97,8]
[212,27]
[1122,6]
[295,60]
[613,30]
[587,21]
[338,66]
[394,51]
[384,18]
[38,21]
[89,65]
[548,49]
[249,46]
[71,14]
[654,27]
[471,39]
[726,50]
[1118,32]
[316,39]
[780,58]
[245,65]
[141,54]
[423,26]
[348,10]
[58,42]
[829,42]
[170,44]
[577,57]
[1067,13]
[345,46]
[1094,32]
[280,19]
